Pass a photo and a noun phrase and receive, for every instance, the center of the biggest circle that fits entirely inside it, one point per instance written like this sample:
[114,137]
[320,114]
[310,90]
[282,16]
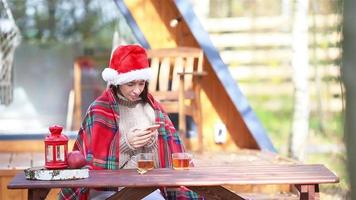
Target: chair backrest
[176,84]
[167,63]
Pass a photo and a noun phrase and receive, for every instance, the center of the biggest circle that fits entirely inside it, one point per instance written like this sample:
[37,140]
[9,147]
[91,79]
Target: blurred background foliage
[87,27]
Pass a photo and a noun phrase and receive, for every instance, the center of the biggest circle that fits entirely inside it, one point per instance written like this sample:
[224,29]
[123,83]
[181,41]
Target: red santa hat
[127,63]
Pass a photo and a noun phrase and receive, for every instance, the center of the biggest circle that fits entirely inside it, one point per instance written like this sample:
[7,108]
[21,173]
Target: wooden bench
[17,154]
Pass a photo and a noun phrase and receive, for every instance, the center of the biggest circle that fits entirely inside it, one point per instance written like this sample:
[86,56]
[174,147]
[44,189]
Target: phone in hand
[153,127]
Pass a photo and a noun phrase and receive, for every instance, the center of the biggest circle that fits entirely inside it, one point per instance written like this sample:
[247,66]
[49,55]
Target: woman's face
[132,90]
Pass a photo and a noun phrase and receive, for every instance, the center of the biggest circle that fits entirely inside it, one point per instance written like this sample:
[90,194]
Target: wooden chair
[176,84]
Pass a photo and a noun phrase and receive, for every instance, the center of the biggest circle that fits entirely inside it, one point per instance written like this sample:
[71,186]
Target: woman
[114,129]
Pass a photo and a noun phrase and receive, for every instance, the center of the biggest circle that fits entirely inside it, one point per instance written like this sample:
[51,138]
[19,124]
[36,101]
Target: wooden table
[207,181]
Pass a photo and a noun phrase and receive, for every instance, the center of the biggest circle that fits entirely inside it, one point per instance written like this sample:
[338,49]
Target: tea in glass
[181,160]
[145,161]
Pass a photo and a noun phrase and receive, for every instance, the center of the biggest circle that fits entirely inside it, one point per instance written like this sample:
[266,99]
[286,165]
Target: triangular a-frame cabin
[150,22]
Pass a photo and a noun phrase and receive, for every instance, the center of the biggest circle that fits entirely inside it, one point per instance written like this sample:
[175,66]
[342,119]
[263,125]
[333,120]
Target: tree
[300,65]
[348,71]
[66,21]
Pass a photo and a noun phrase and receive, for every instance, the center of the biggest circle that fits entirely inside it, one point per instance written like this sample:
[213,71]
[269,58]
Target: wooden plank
[182,51]
[274,38]
[283,72]
[8,172]
[10,194]
[38,194]
[77,96]
[189,68]
[153,21]
[21,145]
[53,194]
[243,24]
[286,88]
[178,67]
[38,159]
[13,146]
[263,56]
[269,196]
[164,71]
[270,189]
[20,161]
[255,157]
[155,69]
[5,160]
[308,192]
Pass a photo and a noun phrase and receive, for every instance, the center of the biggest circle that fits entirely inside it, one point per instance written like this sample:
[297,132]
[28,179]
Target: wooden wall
[5,178]
[25,146]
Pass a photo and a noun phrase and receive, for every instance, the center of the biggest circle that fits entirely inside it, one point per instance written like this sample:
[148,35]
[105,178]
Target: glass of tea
[181,160]
[145,161]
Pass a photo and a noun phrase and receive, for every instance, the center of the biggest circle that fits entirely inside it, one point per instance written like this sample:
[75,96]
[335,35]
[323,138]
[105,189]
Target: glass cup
[181,160]
[145,161]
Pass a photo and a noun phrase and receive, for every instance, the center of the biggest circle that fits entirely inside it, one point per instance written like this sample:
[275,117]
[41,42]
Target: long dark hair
[143,95]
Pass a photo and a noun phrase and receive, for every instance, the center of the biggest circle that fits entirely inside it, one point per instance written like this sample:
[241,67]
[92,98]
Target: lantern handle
[56,129]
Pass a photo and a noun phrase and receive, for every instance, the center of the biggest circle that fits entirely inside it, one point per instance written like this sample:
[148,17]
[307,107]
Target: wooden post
[77,96]
[181,115]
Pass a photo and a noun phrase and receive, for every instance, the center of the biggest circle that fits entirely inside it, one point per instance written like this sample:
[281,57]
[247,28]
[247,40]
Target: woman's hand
[138,138]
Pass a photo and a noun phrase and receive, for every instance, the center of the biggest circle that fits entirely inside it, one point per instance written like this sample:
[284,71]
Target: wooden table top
[197,176]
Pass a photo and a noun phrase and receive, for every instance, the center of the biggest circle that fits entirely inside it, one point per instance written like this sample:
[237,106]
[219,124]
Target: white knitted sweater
[135,115]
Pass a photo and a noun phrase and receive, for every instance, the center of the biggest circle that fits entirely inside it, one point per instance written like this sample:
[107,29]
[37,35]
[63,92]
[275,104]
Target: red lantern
[56,148]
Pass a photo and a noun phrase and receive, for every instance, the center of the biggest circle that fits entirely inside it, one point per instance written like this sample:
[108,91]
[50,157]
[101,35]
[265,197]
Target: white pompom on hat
[127,63]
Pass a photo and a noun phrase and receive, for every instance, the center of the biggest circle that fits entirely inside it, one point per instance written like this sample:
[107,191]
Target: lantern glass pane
[60,153]
[49,154]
